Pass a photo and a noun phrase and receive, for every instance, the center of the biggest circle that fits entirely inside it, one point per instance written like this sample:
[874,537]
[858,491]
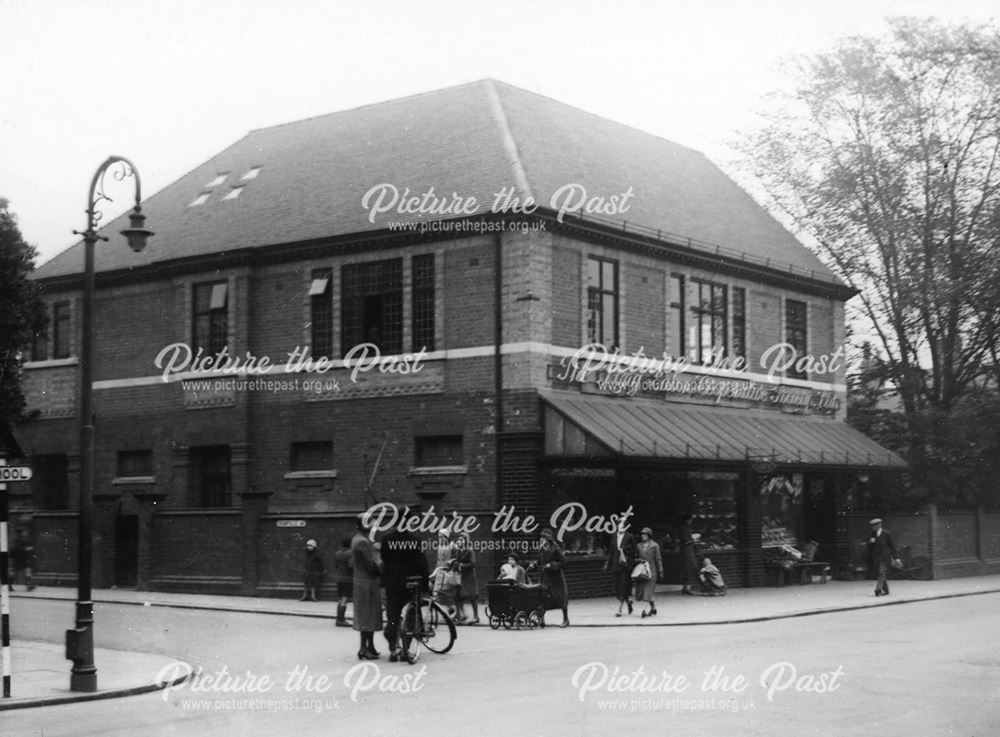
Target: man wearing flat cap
[882,550]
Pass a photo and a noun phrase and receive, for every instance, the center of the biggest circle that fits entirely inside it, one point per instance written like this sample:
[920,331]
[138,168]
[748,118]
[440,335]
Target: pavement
[41,671]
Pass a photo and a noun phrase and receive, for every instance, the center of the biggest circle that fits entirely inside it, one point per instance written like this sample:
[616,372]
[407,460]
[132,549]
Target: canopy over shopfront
[579,426]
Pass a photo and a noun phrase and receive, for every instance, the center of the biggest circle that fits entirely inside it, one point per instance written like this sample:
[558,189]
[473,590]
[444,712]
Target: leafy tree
[887,157]
[22,314]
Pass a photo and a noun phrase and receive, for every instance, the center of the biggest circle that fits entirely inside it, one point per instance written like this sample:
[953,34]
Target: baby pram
[517,605]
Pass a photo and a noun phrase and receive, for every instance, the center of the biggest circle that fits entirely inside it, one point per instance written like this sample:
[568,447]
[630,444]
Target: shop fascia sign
[597,370]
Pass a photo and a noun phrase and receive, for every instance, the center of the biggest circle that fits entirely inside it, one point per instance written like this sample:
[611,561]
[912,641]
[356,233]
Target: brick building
[421,275]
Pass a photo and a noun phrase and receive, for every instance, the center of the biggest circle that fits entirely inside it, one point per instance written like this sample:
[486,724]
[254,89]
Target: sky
[170,84]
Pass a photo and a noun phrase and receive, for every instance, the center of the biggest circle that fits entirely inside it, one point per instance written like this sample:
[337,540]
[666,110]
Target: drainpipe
[497,355]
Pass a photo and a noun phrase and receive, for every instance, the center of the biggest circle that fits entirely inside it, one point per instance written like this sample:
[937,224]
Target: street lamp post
[80,640]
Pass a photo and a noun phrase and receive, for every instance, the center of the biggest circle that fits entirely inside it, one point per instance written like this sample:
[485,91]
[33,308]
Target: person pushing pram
[711,579]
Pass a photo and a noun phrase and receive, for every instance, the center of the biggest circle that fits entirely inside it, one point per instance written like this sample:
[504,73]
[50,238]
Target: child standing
[343,572]
[312,573]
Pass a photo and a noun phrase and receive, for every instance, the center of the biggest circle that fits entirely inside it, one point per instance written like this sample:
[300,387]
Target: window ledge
[299,475]
[438,470]
[51,363]
[131,480]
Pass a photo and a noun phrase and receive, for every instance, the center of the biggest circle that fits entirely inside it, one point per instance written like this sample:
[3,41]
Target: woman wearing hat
[312,572]
[367,566]
[648,550]
[550,562]
[469,589]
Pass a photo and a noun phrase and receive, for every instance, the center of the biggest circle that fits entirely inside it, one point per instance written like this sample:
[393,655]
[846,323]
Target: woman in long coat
[550,562]
[649,551]
[367,595]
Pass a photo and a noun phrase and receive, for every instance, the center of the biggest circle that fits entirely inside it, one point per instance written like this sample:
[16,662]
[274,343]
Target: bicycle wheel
[410,626]
[437,631]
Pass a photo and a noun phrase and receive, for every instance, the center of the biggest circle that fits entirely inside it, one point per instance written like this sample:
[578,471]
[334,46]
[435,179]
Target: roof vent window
[251,173]
[233,193]
[219,179]
[200,199]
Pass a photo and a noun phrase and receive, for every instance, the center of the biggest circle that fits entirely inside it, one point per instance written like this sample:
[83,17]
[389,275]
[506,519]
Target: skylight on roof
[252,173]
[200,199]
[234,193]
[219,179]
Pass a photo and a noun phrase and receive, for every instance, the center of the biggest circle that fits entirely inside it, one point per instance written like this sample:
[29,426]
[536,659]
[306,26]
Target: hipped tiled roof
[472,140]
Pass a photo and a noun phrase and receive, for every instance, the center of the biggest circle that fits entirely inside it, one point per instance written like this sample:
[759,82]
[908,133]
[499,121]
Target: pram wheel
[495,621]
[521,620]
[508,622]
[536,619]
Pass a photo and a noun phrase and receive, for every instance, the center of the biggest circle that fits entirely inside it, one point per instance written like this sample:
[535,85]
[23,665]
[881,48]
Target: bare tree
[886,156]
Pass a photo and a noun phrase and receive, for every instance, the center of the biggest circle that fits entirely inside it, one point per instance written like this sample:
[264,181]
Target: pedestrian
[367,566]
[313,571]
[21,558]
[446,578]
[512,570]
[882,550]
[343,573]
[551,562]
[469,587]
[648,550]
[402,558]
[621,561]
[689,555]
[711,578]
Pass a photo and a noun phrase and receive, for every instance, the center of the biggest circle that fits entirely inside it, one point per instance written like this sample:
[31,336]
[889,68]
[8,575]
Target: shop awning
[578,425]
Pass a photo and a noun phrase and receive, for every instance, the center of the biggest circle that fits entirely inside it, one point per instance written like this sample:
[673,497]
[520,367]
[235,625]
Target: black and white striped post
[5,584]
[7,473]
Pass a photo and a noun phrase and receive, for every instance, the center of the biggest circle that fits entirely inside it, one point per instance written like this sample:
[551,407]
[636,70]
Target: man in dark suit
[882,549]
[402,557]
[621,560]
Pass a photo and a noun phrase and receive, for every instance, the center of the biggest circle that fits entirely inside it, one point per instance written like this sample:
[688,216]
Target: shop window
[712,505]
[709,318]
[210,476]
[210,316]
[132,463]
[423,302]
[50,481]
[796,334]
[439,450]
[602,302]
[739,323]
[61,330]
[321,312]
[312,456]
[372,305]
[677,342]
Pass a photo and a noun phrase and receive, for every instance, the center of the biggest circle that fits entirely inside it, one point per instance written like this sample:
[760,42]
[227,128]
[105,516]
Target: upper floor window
[372,305]
[321,312]
[739,323]
[423,302]
[61,330]
[602,302]
[709,315]
[677,342]
[210,316]
[796,334]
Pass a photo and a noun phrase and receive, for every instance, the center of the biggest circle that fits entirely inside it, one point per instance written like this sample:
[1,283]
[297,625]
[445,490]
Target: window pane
[312,456]
[439,450]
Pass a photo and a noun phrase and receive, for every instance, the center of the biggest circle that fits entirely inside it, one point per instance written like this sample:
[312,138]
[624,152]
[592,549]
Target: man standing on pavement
[402,557]
[882,550]
[689,555]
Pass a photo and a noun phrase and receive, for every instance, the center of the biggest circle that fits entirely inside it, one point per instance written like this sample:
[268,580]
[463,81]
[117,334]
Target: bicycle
[424,623]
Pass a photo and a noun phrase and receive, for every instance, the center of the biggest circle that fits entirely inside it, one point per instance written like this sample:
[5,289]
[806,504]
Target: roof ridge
[380,103]
[591,114]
